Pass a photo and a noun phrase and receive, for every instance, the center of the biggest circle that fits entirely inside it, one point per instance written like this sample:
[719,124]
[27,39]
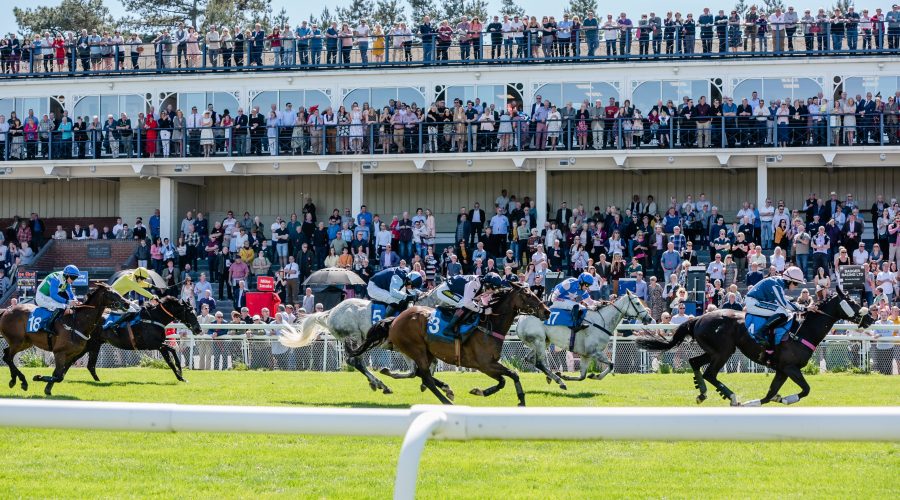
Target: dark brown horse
[407,334]
[719,333]
[72,333]
[148,334]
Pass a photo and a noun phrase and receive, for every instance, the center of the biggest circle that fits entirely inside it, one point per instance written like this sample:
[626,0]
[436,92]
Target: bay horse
[148,334]
[407,333]
[722,331]
[71,333]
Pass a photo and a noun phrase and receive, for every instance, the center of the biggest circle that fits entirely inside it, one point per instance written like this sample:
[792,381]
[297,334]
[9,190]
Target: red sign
[265,283]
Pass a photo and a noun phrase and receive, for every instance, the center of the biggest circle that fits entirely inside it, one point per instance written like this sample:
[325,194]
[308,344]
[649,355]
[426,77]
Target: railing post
[881,130]
[420,133]
[204,65]
[619,133]
[827,128]
[722,139]
[672,132]
[419,431]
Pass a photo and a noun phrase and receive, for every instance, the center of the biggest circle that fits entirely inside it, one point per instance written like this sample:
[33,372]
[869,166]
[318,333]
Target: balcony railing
[823,130]
[91,57]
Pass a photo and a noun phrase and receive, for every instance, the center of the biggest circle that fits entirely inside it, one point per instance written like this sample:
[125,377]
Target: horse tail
[685,329]
[291,337]
[374,337]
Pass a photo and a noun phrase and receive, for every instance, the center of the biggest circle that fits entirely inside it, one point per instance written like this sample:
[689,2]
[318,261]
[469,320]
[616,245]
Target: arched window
[297,98]
[21,105]
[884,85]
[102,106]
[647,94]
[380,97]
[771,89]
[577,92]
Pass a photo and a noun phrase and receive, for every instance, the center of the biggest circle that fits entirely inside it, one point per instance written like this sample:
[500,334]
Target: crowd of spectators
[472,126]
[497,39]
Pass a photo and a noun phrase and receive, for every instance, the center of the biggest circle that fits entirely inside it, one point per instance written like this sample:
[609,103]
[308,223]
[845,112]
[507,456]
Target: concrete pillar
[168,199]
[762,182]
[356,188]
[540,192]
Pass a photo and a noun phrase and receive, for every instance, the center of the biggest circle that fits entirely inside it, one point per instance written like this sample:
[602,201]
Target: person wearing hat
[767,300]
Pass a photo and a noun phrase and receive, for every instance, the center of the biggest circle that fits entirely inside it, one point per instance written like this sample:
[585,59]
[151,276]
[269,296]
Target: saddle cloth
[38,320]
[437,326]
[560,317]
[377,311]
[112,320]
[754,326]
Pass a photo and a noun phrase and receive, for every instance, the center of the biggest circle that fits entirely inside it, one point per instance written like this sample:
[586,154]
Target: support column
[540,192]
[356,188]
[168,199]
[762,182]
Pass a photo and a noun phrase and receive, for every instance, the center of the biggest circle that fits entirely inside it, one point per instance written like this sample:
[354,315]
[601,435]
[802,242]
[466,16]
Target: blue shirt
[771,290]
[569,289]
[367,216]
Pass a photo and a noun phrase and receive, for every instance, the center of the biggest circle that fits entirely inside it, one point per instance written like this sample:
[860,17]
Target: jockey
[55,292]
[571,294]
[134,281]
[466,294]
[767,300]
[394,286]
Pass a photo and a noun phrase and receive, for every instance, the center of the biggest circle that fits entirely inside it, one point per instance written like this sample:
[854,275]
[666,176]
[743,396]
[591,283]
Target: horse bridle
[637,314]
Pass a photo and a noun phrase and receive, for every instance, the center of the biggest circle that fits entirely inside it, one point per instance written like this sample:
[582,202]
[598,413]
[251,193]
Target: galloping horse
[71,333]
[407,334]
[719,332]
[590,343]
[149,334]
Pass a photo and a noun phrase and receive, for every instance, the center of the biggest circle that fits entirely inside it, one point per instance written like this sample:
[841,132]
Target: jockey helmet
[492,281]
[585,279]
[71,271]
[415,279]
[794,274]
[141,274]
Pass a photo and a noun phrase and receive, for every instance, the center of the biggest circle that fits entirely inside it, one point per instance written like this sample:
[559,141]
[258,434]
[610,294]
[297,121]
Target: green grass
[82,464]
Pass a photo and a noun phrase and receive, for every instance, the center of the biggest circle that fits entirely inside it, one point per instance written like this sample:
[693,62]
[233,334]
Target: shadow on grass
[121,384]
[567,395]
[39,395]
[346,404]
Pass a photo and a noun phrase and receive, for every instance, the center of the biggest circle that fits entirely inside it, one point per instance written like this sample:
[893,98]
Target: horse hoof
[549,380]
[422,388]
[373,386]
[522,404]
[387,390]
[701,398]
[384,371]
[476,392]
[563,387]
[734,400]
[25,386]
[450,395]
[755,402]
[12,383]
[36,378]
[48,392]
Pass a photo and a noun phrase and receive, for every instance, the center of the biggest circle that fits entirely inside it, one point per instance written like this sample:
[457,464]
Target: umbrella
[155,279]
[333,276]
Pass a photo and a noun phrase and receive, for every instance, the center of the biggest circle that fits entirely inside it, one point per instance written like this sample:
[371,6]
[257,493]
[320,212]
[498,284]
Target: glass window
[21,105]
[88,106]
[379,97]
[577,92]
[101,106]
[647,94]
[771,89]
[885,85]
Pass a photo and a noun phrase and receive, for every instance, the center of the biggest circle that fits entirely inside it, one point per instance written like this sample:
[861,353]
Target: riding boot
[453,324]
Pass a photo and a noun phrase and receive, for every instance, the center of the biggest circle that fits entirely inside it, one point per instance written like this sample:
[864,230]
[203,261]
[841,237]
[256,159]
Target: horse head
[526,302]
[182,311]
[843,306]
[631,306]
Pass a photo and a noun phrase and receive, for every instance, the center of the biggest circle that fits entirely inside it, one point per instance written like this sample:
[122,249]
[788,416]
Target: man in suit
[853,230]
[257,125]
[389,258]
[476,218]
[877,208]
[811,207]
[865,110]
[241,122]
[563,215]
[832,205]
[240,296]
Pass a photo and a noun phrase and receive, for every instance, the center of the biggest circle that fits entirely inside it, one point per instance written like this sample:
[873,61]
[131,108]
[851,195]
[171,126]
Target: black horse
[720,332]
[148,334]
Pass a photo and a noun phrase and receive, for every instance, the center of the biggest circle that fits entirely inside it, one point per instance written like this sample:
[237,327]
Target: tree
[580,8]
[843,5]
[453,10]
[69,15]
[325,18]
[511,8]
[152,16]
[771,5]
[476,8]
[388,12]
[741,7]
[421,8]
[281,18]
[358,9]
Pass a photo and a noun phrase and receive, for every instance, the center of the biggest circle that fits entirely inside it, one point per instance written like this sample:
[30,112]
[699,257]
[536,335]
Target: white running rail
[420,423]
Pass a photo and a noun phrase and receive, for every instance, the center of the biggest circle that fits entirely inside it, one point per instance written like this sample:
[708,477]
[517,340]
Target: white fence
[420,423]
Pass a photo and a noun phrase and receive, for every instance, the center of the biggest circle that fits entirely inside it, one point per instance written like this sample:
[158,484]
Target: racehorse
[590,343]
[407,334]
[719,332]
[149,333]
[349,322]
[71,333]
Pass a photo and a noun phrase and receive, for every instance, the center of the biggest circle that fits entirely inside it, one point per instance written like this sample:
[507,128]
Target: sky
[301,10]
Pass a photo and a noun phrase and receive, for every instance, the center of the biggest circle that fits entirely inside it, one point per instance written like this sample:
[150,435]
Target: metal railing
[417,135]
[458,45]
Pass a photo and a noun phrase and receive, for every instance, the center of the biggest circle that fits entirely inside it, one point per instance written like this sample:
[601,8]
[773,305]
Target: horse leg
[697,363]
[520,393]
[59,373]
[93,356]
[798,378]
[374,383]
[171,359]
[712,371]
[14,372]
[490,390]
[540,362]
[601,358]
[582,376]
[774,387]
[428,380]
